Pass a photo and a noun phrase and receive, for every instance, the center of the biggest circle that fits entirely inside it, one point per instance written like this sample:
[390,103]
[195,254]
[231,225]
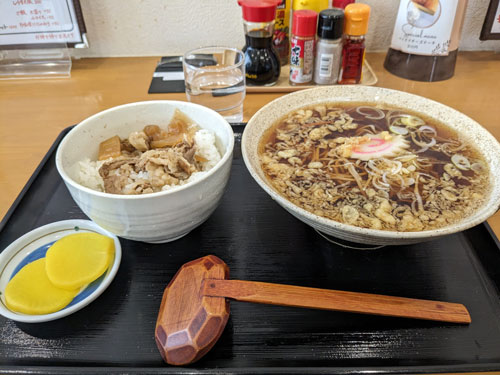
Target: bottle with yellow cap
[316,5]
[353,52]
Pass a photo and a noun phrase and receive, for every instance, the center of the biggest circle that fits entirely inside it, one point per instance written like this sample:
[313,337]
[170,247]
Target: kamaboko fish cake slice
[31,292]
[78,259]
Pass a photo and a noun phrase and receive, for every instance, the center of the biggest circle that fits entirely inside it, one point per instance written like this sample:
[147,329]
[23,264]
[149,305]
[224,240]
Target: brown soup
[374,167]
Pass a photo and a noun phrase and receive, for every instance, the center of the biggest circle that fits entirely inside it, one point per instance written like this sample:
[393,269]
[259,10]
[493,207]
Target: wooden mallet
[194,309]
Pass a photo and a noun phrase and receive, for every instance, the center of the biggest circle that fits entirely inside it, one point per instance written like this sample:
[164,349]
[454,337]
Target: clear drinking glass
[215,78]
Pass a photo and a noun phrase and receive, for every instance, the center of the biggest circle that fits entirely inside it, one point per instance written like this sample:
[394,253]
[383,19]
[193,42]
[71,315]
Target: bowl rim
[227,154]
[11,250]
[488,210]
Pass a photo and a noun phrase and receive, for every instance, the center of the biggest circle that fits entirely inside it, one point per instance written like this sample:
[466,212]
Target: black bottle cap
[331,23]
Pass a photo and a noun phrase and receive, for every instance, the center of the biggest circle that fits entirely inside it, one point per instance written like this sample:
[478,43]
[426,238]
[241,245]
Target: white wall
[170,27]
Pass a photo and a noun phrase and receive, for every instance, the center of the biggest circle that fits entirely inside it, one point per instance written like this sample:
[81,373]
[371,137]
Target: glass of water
[215,78]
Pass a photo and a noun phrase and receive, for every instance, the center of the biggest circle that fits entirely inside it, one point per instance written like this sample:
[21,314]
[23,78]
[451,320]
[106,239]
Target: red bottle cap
[259,10]
[341,3]
[304,22]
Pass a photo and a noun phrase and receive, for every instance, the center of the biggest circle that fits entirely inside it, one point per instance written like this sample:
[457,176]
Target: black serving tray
[260,241]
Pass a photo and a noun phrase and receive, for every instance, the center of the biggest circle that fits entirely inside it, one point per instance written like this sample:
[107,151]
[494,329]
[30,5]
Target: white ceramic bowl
[32,246]
[157,217]
[278,108]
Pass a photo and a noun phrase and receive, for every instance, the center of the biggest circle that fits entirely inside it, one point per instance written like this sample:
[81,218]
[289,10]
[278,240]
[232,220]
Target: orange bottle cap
[356,19]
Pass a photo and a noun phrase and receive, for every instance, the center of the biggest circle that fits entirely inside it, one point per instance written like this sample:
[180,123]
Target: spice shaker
[302,46]
[328,46]
[262,64]
[356,18]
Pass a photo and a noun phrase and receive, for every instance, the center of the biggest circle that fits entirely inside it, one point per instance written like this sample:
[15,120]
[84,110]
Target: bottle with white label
[328,46]
[425,40]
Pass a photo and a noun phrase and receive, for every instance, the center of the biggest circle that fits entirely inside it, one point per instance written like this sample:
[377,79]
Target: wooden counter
[33,112]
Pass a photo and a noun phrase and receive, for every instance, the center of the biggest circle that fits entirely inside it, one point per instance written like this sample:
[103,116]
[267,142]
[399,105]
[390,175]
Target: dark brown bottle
[262,65]
[420,67]
[419,24]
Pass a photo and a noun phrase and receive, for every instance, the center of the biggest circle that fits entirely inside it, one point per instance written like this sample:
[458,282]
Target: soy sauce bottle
[262,64]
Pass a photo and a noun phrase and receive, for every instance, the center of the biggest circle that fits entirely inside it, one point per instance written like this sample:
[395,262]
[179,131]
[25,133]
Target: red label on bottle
[301,60]
[352,64]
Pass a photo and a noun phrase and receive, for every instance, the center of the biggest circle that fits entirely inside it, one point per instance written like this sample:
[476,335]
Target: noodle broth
[374,167]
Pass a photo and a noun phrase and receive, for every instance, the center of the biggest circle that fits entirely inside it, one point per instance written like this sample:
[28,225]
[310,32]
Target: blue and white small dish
[32,246]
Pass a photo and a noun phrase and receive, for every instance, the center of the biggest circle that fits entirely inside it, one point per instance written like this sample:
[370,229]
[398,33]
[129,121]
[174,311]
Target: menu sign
[41,22]
[495,27]
[491,26]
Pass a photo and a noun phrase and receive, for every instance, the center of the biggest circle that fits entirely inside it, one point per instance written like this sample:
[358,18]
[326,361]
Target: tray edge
[34,176]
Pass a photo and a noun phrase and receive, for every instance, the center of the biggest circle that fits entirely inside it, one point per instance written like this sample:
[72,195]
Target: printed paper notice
[495,28]
[38,22]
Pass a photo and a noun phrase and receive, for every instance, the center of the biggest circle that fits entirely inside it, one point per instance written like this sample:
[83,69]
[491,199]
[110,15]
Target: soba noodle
[374,167]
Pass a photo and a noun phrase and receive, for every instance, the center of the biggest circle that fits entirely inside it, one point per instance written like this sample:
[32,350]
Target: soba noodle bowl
[374,167]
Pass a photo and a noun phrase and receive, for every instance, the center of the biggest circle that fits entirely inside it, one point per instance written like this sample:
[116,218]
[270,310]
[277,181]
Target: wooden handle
[287,295]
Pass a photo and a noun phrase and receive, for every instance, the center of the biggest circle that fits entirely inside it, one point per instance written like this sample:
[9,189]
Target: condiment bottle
[424,43]
[356,18]
[281,38]
[316,5]
[302,47]
[328,46]
[262,64]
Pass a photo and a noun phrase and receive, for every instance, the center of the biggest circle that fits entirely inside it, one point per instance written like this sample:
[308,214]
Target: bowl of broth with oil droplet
[372,165]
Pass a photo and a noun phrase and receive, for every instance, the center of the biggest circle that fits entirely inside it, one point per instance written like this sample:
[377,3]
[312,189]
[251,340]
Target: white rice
[88,174]
[205,147]
[88,170]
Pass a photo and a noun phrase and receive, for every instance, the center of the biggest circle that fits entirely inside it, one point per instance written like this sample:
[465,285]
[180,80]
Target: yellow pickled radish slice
[78,259]
[31,292]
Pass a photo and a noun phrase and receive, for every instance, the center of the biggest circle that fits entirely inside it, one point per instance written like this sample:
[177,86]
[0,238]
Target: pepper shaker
[328,46]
